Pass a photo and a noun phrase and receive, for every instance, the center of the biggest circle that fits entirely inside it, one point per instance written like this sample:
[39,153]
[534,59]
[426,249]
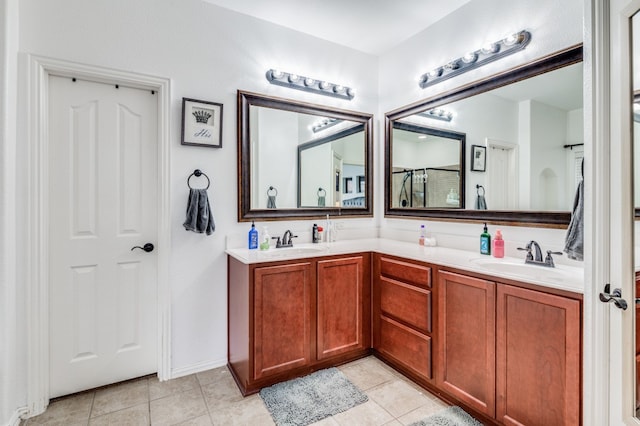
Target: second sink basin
[543,273]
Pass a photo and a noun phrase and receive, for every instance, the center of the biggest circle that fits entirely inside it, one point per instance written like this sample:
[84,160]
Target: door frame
[36,243]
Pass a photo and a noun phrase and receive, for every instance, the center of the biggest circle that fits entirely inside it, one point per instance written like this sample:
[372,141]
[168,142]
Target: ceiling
[371,26]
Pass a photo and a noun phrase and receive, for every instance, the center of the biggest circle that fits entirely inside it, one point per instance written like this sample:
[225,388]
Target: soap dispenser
[485,241]
[253,237]
[498,244]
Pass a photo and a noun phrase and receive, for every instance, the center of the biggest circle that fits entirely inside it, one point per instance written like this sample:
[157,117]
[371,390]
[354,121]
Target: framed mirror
[298,160]
[524,128]
[428,165]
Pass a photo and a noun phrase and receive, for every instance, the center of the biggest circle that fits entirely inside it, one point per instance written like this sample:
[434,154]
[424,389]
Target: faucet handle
[528,250]
[278,243]
[549,260]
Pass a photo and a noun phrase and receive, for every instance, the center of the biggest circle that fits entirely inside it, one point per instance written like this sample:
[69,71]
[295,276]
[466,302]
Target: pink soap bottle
[498,244]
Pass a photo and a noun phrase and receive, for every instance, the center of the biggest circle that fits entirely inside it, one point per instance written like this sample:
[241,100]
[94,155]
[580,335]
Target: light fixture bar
[472,60]
[437,114]
[325,124]
[308,84]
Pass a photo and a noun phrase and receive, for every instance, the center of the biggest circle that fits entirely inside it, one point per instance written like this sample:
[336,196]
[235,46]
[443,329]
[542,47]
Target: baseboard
[197,368]
[18,415]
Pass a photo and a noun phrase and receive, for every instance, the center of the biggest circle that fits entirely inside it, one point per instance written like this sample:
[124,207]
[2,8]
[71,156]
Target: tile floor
[212,398]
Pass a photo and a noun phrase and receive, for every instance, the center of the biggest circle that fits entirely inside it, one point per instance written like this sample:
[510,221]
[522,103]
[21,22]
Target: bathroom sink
[291,251]
[537,272]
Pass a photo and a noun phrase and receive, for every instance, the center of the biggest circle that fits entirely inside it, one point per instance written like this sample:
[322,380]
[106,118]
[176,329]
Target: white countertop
[562,277]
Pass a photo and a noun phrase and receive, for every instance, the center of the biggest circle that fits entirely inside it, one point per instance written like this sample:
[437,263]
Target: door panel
[102,202]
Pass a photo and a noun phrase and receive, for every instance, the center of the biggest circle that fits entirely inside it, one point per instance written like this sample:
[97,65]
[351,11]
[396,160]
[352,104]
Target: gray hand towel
[481,203]
[199,215]
[574,241]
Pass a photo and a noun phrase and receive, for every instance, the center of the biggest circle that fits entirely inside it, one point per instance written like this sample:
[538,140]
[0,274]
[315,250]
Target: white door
[502,175]
[620,331]
[102,197]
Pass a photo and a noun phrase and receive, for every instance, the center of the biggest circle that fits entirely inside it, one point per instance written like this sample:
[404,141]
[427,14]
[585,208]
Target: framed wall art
[201,123]
[478,158]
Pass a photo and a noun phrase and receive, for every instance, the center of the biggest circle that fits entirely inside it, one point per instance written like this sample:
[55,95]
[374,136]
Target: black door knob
[147,247]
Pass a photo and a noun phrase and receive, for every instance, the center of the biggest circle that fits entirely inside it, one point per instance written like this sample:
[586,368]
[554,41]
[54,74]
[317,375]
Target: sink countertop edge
[441,256]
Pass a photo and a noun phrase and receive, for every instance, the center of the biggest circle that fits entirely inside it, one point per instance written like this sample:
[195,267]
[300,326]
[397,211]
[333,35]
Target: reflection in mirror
[427,167]
[331,169]
[301,160]
[529,119]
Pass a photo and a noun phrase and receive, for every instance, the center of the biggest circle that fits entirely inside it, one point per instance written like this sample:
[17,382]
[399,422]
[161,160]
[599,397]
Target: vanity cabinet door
[283,297]
[538,358]
[343,305]
[466,340]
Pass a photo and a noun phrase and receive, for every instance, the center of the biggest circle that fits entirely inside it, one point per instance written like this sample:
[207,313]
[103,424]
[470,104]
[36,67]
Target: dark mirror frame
[245,212]
[569,56]
[461,138]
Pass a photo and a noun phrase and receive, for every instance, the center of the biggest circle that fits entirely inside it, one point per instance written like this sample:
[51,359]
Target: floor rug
[450,416]
[311,398]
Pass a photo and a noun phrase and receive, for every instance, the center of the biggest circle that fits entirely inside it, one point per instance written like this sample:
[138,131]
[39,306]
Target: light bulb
[276,74]
[324,85]
[435,73]
[309,82]
[351,92]
[490,48]
[470,58]
[293,78]
[513,39]
[338,88]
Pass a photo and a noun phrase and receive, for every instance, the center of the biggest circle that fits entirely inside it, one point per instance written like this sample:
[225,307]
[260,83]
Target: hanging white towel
[199,215]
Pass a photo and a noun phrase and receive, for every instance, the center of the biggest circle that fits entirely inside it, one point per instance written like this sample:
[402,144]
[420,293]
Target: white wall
[12,325]
[209,53]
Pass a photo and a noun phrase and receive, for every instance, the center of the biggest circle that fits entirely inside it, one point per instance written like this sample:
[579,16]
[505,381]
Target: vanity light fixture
[325,124]
[437,114]
[488,53]
[308,84]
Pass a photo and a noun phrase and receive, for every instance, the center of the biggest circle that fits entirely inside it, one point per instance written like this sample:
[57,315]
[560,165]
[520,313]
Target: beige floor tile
[249,411]
[420,413]
[367,414]
[213,375]
[329,421]
[158,389]
[398,398]
[393,422]
[367,374]
[71,410]
[133,416]
[120,396]
[220,393]
[178,408]
[198,421]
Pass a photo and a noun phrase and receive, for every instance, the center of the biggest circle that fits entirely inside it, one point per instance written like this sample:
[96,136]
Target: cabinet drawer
[406,303]
[404,271]
[407,346]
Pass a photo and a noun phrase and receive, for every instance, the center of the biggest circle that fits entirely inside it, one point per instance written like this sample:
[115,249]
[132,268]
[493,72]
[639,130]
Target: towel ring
[271,188]
[198,173]
[478,189]
[321,195]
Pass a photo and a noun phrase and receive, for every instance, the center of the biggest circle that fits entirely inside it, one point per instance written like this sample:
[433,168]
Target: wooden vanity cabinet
[511,353]
[466,340]
[287,319]
[402,315]
[538,358]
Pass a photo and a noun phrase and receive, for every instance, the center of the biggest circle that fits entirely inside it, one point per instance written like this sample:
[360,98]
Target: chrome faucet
[537,260]
[286,239]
